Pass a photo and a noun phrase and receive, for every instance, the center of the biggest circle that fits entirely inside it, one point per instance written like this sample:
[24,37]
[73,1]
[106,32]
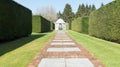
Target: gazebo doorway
[60,25]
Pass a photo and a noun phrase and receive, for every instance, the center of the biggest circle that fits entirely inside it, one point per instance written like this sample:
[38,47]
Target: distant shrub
[105,22]
[15,20]
[80,24]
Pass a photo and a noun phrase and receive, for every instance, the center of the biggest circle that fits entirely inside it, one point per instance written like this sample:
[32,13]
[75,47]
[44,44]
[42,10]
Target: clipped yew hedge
[67,26]
[80,24]
[52,26]
[15,20]
[105,22]
[40,24]
[36,24]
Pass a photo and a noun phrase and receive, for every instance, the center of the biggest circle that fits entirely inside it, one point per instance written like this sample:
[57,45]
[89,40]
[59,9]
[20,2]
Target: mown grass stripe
[20,52]
[107,52]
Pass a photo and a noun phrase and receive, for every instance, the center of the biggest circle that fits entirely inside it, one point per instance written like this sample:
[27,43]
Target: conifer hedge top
[15,20]
[105,22]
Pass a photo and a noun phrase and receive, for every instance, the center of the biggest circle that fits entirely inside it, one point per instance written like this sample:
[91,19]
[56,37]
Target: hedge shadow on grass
[10,46]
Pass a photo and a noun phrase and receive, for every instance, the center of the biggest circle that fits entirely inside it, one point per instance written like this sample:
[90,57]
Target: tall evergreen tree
[93,7]
[87,10]
[90,7]
[83,10]
[78,13]
[68,15]
[87,7]
[102,4]
[60,15]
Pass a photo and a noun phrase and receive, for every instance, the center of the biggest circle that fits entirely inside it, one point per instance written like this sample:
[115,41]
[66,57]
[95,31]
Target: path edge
[91,54]
[35,61]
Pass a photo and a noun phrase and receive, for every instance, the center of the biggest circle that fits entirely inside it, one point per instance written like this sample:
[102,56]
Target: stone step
[62,40]
[72,49]
[65,62]
[63,43]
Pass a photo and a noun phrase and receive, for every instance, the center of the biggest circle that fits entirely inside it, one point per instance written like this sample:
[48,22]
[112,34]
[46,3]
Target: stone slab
[55,50]
[52,62]
[73,49]
[56,43]
[62,40]
[68,43]
[79,62]
[63,43]
[67,40]
[65,62]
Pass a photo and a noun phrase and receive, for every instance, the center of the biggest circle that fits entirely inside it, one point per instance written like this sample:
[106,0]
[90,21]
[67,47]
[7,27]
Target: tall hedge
[36,24]
[67,26]
[15,20]
[105,22]
[40,24]
[52,26]
[80,24]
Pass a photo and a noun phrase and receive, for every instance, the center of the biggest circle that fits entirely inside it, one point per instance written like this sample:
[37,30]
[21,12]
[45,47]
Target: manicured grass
[107,52]
[20,52]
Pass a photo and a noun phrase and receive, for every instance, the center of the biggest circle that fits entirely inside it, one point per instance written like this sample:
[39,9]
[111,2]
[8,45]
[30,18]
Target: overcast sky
[59,4]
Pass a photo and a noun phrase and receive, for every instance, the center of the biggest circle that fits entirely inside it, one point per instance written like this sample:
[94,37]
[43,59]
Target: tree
[59,15]
[90,7]
[102,4]
[68,15]
[47,12]
[83,10]
[93,8]
[78,13]
[87,7]
[87,11]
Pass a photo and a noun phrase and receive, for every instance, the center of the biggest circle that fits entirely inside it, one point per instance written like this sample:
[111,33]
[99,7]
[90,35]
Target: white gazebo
[60,25]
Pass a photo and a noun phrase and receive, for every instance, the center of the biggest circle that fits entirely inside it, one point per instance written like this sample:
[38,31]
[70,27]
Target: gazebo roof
[60,21]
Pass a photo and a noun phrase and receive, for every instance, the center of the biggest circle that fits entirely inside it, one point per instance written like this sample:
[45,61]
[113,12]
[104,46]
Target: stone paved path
[63,51]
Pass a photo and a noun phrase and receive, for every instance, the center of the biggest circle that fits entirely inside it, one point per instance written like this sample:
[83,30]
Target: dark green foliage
[52,26]
[76,25]
[105,22]
[84,25]
[84,10]
[36,24]
[45,25]
[15,20]
[78,13]
[80,25]
[68,15]
[102,4]
[93,8]
[59,15]
[40,24]
[67,26]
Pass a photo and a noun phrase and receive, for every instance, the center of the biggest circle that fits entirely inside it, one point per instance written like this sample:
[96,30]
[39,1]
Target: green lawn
[20,52]
[107,52]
